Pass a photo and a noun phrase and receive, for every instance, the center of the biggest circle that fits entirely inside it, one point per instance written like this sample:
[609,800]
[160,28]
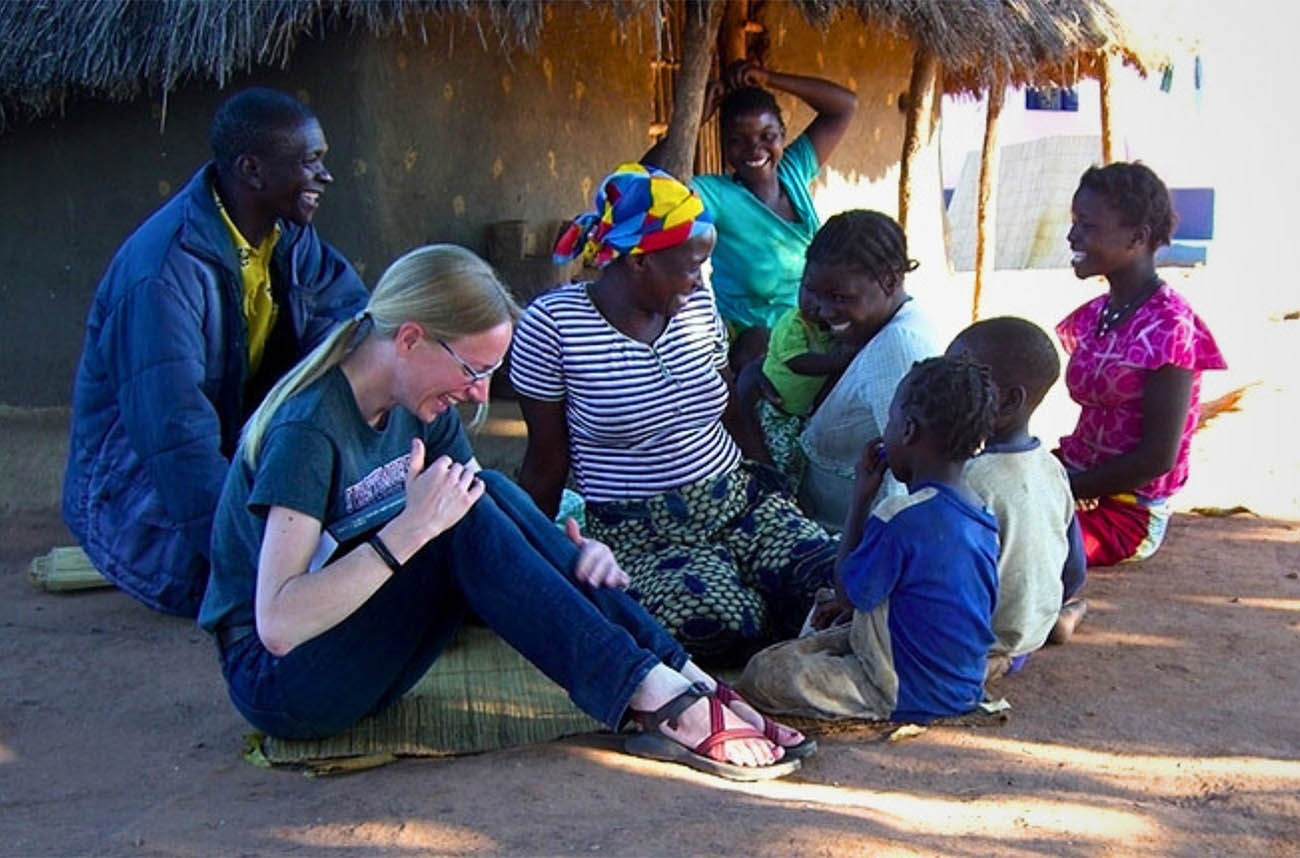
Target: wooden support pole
[920,124]
[732,41]
[986,206]
[1105,73]
[699,35]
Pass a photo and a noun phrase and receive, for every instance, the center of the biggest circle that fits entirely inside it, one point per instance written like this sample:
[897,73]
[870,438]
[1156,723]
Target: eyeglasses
[474,375]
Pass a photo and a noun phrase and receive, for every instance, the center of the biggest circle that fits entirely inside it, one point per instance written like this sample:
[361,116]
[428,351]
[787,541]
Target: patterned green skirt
[727,565]
[781,434]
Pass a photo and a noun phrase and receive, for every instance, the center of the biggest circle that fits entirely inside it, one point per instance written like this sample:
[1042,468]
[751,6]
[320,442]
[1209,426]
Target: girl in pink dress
[1136,356]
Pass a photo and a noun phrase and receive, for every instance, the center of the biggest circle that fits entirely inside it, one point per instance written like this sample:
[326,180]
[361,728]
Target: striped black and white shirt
[642,419]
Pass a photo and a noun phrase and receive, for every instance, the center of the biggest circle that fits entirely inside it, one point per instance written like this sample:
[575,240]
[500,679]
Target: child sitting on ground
[1040,557]
[919,574]
[803,361]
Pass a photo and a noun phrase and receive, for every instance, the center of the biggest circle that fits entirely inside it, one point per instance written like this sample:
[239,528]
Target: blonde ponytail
[318,361]
[448,290]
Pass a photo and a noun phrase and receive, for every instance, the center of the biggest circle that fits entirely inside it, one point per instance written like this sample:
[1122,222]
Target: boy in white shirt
[1041,565]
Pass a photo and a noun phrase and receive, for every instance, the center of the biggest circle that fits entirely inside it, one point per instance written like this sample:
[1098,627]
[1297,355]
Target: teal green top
[793,335]
[758,260]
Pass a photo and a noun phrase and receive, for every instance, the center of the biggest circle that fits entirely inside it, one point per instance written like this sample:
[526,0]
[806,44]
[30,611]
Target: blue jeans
[507,563]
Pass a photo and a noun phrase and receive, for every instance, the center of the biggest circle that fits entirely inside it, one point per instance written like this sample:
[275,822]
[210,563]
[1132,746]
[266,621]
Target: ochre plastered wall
[425,146]
[429,142]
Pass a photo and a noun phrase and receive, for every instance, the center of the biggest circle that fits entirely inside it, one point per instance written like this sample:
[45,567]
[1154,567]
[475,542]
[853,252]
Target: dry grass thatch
[118,49]
[1039,42]
[51,50]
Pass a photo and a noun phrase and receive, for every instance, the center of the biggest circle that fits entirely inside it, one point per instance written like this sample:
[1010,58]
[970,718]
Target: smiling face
[852,304]
[1100,242]
[753,144]
[293,174]
[430,378]
[669,277]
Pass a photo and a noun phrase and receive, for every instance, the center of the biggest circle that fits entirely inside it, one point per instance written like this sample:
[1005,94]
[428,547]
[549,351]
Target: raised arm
[1166,397]
[834,104]
[546,457]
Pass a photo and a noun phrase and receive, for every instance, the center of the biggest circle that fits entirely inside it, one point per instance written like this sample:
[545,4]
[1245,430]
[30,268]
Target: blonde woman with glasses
[356,530]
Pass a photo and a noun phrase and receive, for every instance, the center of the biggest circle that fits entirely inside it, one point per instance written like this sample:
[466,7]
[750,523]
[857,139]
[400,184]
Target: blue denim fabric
[507,563]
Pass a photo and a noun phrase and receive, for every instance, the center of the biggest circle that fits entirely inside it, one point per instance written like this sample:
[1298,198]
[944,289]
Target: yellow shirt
[255,273]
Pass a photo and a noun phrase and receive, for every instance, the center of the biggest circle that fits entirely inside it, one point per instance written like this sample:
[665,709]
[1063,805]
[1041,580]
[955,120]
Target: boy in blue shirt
[907,634]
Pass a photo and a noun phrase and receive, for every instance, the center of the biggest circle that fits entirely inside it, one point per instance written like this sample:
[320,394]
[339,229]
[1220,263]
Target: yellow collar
[245,251]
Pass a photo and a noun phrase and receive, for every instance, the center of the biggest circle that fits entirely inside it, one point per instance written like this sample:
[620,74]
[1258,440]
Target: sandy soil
[1167,727]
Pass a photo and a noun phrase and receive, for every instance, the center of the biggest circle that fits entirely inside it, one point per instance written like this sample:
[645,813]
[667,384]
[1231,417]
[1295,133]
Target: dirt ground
[1167,727]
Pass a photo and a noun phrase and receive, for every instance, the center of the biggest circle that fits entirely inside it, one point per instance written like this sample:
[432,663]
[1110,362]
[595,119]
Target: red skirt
[1122,528]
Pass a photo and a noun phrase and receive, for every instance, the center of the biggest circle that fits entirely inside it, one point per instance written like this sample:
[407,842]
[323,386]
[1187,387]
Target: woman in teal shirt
[763,210]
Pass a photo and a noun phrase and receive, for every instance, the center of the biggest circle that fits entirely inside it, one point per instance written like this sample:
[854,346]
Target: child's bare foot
[1072,613]
[996,667]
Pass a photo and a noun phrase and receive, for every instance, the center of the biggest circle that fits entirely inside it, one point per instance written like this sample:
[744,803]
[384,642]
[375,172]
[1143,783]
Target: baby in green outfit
[803,361]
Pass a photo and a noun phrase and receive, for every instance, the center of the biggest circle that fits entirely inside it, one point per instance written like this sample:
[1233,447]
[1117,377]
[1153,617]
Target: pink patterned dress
[1106,374]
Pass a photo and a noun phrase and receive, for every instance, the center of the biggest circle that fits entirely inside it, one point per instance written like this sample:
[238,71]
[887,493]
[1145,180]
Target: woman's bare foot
[784,736]
[694,724]
[1072,613]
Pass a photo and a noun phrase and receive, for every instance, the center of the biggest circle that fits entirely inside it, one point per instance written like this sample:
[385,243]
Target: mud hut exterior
[448,116]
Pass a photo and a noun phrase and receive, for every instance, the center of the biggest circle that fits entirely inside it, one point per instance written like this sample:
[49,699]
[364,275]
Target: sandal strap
[720,734]
[728,695]
[670,711]
[711,747]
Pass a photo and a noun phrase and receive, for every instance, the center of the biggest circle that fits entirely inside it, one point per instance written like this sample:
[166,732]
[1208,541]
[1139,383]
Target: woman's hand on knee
[437,496]
[596,566]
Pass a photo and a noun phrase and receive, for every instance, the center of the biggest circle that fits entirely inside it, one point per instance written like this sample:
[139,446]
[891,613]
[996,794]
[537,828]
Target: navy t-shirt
[321,458]
[934,556]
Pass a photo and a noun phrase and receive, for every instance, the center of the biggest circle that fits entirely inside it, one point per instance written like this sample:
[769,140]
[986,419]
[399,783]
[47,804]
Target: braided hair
[748,101]
[869,241]
[1137,194]
[955,398]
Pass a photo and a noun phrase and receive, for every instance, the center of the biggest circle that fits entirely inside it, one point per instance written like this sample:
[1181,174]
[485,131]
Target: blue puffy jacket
[160,390]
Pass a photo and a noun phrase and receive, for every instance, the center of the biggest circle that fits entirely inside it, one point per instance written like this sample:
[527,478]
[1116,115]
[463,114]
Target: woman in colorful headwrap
[625,381]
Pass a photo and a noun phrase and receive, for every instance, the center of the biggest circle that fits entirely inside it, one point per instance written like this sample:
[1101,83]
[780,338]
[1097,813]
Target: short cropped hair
[953,397]
[1018,352]
[1136,192]
[251,121]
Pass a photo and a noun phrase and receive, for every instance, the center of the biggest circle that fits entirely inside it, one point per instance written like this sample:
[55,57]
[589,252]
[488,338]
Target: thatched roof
[1038,42]
[118,49]
[51,50]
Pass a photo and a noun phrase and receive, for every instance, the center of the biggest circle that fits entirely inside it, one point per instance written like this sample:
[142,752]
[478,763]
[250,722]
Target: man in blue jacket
[208,303]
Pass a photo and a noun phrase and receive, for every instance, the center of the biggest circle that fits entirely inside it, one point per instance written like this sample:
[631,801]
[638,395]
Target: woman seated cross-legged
[625,381]
[321,620]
